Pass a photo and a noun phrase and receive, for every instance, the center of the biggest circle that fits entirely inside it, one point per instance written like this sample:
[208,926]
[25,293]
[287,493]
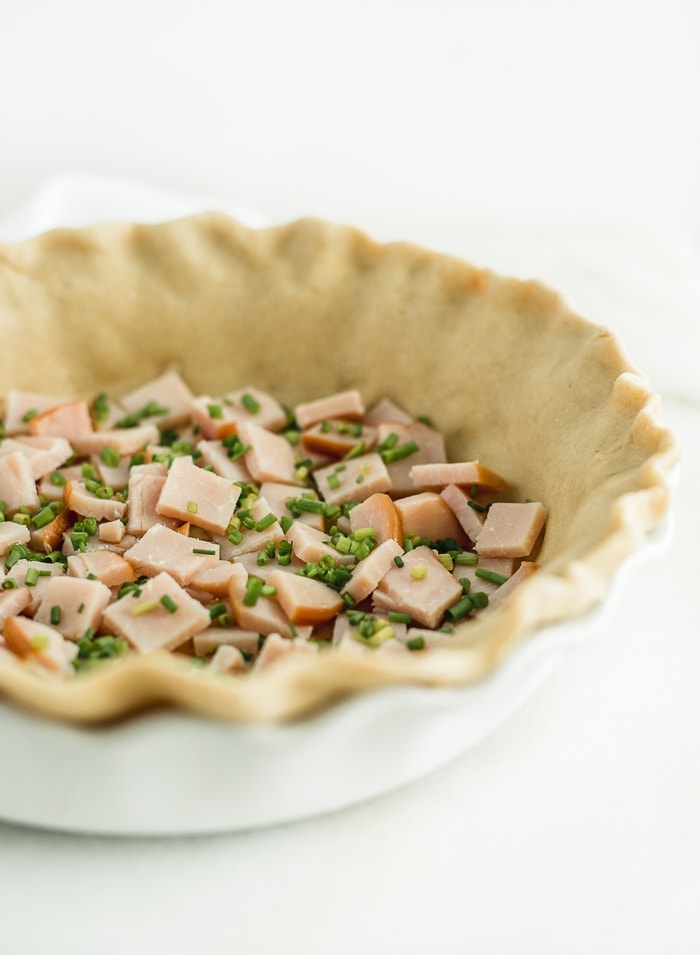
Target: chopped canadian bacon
[40,643]
[215,579]
[305,601]
[336,438]
[22,406]
[526,570]
[87,504]
[276,647]
[421,588]
[123,440]
[264,616]
[73,605]
[11,533]
[163,549]
[380,513]
[109,568]
[49,537]
[271,456]
[215,455]
[355,479]
[458,501]
[162,617]
[168,392]
[66,420]
[368,573]
[45,454]
[13,602]
[310,545]
[227,659]
[277,495]
[427,515]
[144,493]
[511,530]
[343,404]
[386,411]
[17,486]
[206,642]
[197,496]
[430,448]
[111,532]
[458,472]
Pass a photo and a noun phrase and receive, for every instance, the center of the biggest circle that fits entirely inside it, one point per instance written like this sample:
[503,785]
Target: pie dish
[509,374]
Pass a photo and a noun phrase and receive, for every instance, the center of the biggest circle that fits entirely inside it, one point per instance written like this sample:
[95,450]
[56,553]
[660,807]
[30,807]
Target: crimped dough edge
[506,370]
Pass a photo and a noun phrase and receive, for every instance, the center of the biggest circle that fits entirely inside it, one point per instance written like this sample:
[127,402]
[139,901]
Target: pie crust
[505,369]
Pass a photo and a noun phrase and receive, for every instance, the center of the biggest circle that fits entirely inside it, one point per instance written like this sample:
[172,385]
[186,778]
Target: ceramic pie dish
[506,370]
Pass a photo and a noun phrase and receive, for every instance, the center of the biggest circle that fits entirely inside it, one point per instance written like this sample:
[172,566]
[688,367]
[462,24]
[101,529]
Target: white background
[558,139]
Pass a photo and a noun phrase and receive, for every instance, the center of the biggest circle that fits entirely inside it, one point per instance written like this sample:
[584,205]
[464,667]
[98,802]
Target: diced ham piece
[215,455]
[271,456]
[343,404]
[467,473]
[336,438]
[276,648]
[192,494]
[431,447]
[206,642]
[357,480]
[22,406]
[168,391]
[109,568]
[215,580]
[144,493]
[277,495]
[421,588]
[265,616]
[310,545]
[228,659]
[457,499]
[511,530]
[123,440]
[387,411]
[17,485]
[304,600]
[43,572]
[80,603]
[83,502]
[163,549]
[427,515]
[50,536]
[526,569]
[148,625]
[499,565]
[368,573]
[253,540]
[13,602]
[111,532]
[45,454]
[40,643]
[378,512]
[68,420]
[11,533]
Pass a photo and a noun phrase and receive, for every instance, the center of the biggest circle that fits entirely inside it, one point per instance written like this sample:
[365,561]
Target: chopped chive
[81,607]
[253,589]
[31,413]
[460,609]
[55,615]
[249,403]
[204,550]
[92,486]
[476,507]
[396,617]
[217,610]
[265,522]
[47,573]
[267,590]
[262,558]
[39,642]
[491,575]
[146,606]
[398,561]
[359,479]
[110,456]
[446,561]
[22,519]
[348,599]
[31,577]
[9,583]
[191,507]
[355,451]
[215,411]
[43,517]
[333,481]
[169,603]
[234,536]
[419,572]
[105,492]
[466,585]
[416,643]
[286,523]
[100,407]
[57,479]
[399,452]
[480,600]
[466,559]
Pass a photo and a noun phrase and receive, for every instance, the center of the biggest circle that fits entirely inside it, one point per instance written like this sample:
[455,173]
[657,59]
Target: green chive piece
[476,507]
[355,451]
[461,609]
[215,411]
[333,481]
[253,590]
[100,407]
[57,479]
[217,610]
[9,583]
[31,413]
[265,522]
[262,558]
[267,590]
[398,561]
[55,615]
[466,585]
[110,456]
[286,523]
[22,519]
[169,603]
[396,617]
[81,607]
[399,452]
[31,577]
[480,600]
[43,517]
[191,507]
[466,559]
[416,643]
[491,575]
[204,550]
[146,606]
[249,403]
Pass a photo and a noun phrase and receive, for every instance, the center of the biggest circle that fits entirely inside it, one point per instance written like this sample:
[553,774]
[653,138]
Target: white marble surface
[573,828]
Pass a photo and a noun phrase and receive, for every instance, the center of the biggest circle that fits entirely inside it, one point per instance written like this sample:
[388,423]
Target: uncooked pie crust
[504,368]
